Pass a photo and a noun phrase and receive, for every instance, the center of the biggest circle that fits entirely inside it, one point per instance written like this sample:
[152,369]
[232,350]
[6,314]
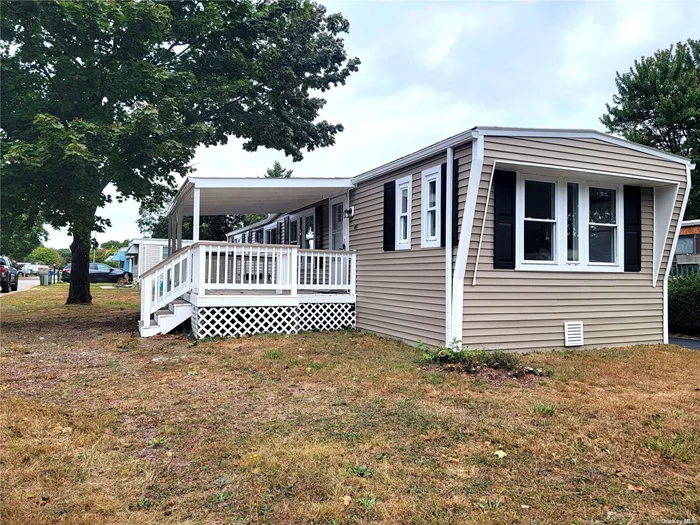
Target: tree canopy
[211,228]
[278,172]
[19,232]
[115,245]
[101,93]
[658,104]
[45,255]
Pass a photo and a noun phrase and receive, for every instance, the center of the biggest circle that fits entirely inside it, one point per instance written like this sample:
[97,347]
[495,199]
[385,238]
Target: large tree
[658,104]
[103,93]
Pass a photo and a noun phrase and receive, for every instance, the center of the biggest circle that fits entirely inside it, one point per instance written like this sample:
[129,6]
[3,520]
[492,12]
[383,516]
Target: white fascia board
[664,203]
[435,149]
[582,134]
[695,222]
[263,183]
[465,235]
[673,249]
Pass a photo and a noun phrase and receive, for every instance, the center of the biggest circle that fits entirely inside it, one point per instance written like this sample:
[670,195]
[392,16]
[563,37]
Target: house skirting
[236,321]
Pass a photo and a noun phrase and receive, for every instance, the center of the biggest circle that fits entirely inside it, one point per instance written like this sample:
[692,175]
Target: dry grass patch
[100,426]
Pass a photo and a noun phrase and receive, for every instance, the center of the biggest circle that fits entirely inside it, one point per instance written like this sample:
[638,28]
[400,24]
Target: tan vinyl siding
[526,310]
[399,293]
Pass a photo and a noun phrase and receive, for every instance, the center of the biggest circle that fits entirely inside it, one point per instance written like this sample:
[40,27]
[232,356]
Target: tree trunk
[79,291]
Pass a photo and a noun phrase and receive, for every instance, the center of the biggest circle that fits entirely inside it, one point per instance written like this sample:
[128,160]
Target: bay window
[552,213]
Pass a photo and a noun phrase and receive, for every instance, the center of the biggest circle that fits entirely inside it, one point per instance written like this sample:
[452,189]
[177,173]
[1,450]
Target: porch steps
[166,319]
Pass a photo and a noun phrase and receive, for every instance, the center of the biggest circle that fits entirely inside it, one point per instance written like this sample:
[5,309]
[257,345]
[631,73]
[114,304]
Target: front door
[337,222]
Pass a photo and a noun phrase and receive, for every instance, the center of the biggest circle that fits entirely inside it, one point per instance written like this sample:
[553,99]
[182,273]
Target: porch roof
[223,196]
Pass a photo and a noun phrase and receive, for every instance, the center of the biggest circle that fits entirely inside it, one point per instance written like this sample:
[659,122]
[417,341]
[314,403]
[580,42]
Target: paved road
[693,344]
[25,284]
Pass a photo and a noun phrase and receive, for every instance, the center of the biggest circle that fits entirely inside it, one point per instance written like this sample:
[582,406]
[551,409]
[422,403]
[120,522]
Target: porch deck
[240,289]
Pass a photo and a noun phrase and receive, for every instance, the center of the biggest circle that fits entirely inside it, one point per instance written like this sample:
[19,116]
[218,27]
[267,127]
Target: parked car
[8,275]
[100,273]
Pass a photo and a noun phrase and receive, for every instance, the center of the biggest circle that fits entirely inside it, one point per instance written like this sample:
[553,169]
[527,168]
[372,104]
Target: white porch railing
[165,282]
[229,266]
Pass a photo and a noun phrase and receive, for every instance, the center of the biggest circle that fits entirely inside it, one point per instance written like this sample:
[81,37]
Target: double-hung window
[602,225]
[403,213]
[430,208]
[566,224]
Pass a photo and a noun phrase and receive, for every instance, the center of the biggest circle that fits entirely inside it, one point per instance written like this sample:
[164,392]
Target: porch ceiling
[222,196]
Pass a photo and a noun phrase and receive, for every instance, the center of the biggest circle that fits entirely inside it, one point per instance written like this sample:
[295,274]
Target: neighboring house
[501,238]
[687,254]
[144,253]
[119,257]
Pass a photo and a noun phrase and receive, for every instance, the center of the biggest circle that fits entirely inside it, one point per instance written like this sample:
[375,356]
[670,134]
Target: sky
[433,69]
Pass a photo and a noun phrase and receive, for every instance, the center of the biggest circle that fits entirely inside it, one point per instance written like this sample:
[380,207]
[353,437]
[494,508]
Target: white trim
[264,183]
[560,262]
[428,176]
[483,225]
[665,198]
[325,298]
[243,300]
[267,228]
[195,215]
[673,247]
[341,199]
[449,175]
[695,222]
[401,184]
[465,237]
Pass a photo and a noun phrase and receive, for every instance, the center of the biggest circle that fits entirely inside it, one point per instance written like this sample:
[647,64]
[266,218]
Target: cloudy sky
[433,69]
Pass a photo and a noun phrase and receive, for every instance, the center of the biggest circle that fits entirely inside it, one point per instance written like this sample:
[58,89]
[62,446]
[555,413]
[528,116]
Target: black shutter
[443,203]
[390,216]
[318,224]
[455,202]
[285,229]
[633,228]
[280,233]
[504,219]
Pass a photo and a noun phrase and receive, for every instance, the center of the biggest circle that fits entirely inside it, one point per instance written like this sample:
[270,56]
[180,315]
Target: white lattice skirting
[250,320]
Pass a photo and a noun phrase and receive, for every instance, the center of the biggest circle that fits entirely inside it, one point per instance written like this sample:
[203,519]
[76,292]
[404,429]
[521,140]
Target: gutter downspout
[465,234]
[688,168]
[448,246]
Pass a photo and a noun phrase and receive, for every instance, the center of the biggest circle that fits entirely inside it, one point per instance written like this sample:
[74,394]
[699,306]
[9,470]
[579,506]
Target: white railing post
[353,269]
[146,301]
[201,269]
[294,269]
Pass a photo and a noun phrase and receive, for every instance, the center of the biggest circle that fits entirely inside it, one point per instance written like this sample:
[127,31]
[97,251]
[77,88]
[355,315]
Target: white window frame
[401,184]
[428,176]
[164,251]
[560,263]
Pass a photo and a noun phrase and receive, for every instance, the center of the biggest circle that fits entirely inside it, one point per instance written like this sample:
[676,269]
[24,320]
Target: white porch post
[171,237]
[195,216]
[178,230]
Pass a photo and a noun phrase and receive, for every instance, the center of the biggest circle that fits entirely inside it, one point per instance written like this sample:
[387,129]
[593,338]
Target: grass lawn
[100,426]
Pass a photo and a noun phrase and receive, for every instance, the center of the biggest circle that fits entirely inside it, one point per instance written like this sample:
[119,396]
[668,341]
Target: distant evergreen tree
[278,172]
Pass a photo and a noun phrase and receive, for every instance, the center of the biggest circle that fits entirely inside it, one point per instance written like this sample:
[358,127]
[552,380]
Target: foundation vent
[573,333]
